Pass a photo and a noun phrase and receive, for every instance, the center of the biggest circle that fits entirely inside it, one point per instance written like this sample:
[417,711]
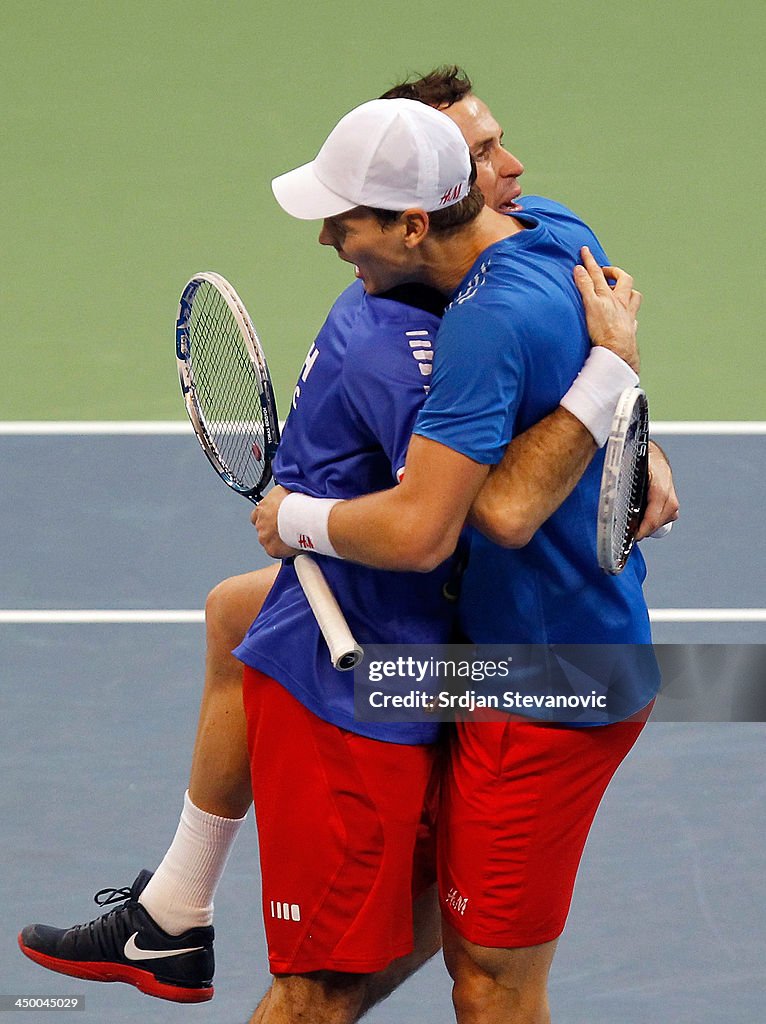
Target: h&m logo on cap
[451,195]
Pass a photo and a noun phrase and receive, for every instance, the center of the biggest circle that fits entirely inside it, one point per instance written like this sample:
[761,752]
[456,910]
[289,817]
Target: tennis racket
[230,401]
[624,481]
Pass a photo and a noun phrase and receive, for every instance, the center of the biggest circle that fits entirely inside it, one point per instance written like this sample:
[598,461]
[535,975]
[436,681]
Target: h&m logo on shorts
[285,911]
[456,901]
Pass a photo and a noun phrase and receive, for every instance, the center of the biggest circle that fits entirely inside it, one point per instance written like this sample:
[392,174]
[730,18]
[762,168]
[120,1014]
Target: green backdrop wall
[139,140]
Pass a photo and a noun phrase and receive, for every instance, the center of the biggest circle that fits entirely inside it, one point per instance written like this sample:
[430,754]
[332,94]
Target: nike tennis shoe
[126,944]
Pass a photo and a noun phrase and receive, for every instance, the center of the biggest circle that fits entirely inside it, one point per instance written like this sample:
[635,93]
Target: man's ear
[416,226]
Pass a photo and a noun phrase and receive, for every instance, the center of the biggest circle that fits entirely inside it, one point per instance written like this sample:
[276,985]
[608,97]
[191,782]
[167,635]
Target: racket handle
[661,531]
[345,652]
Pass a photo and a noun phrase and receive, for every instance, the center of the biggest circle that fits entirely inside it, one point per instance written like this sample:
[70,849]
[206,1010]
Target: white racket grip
[345,652]
[660,532]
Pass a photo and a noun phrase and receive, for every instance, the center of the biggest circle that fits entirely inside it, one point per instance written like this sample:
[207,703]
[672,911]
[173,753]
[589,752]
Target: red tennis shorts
[517,801]
[345,837]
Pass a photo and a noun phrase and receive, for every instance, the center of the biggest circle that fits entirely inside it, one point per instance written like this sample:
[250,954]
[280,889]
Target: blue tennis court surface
[98,720]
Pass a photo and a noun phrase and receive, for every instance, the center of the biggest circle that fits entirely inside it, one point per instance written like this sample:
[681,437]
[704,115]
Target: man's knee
[480,997]
[472,993]
[499,984]
[219,603]
[325,997]
[232,605]
[222,617]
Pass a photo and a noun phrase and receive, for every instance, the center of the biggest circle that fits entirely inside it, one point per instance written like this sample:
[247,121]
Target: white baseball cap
[388,154]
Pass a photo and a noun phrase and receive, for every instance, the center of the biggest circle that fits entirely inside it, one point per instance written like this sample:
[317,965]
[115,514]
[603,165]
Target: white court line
[158,427]
[23,427]
[707,614]
[708,427]
[77,616]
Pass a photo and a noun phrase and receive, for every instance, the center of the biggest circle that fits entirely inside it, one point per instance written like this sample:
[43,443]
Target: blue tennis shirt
[354,409]
[511,343]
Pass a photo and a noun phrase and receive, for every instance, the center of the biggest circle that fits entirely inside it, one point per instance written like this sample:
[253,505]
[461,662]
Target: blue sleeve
[478,380]
[566,224]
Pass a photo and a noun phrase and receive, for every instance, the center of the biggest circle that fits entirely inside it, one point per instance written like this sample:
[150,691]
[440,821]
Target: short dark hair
[441,221]
[441,87]
[458,214]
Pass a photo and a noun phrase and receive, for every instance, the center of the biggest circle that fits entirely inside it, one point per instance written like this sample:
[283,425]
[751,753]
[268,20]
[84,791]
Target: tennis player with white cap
[216,783]
[512,358]
[381,155]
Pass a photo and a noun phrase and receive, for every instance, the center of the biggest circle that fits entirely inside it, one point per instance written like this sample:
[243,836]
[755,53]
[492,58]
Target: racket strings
[228,391]
[629,495]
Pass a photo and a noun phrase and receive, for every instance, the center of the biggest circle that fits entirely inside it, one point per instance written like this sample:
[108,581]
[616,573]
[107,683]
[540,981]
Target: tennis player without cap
[179,896]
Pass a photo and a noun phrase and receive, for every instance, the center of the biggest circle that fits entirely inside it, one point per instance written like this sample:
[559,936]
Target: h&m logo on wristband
[305,542]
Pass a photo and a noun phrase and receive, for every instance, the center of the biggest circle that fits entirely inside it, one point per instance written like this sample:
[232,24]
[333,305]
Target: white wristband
[302,522]
[593,396]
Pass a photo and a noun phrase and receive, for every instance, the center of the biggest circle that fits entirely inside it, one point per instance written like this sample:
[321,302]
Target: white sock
[180,893]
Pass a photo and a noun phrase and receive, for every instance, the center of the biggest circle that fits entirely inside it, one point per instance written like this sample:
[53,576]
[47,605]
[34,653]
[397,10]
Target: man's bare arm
[542,466]
[415,525]
[539,470]
[411,527]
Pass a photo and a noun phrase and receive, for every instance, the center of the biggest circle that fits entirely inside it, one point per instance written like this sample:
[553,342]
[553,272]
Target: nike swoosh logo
[134,952]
